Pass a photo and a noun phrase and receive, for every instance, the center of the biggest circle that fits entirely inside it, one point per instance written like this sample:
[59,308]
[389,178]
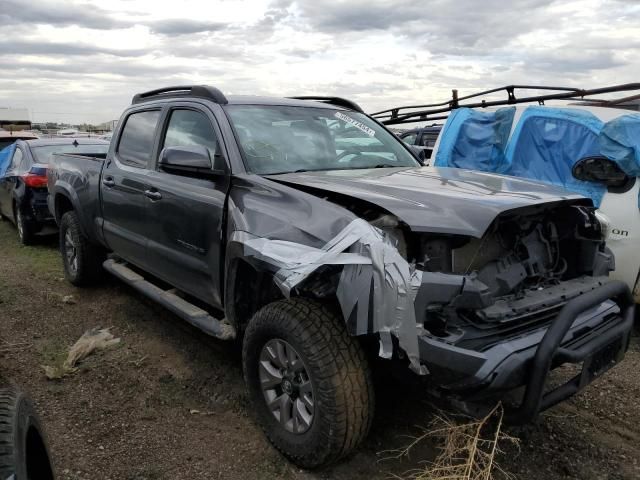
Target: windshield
[43,154]
[279,139]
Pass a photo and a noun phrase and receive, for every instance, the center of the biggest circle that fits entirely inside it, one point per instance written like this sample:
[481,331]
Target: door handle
[153,194]
[108,182]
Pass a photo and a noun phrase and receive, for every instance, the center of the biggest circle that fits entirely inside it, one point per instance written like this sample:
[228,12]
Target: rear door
[125,183]
[8,183]
[186,219]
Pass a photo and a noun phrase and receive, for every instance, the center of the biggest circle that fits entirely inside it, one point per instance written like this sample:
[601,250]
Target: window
[410,138]
[429,139]
[136,140]
[277,139]
[187,128]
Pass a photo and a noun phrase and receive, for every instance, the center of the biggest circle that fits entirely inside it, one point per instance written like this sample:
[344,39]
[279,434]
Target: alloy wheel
[286,386]
[20,224]
[70,252]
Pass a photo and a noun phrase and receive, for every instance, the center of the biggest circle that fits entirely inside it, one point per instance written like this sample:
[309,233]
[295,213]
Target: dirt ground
[168,402]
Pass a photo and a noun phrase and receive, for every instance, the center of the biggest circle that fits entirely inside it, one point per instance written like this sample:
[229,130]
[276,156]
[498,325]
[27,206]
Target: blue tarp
[620,141]
[546,144]
[475,140]
[5,158]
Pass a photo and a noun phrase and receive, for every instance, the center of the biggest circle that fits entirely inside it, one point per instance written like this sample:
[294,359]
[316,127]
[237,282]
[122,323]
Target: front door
[185,219]
[124,186]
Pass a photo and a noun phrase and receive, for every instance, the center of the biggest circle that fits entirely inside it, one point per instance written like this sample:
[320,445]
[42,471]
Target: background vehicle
[309,230]
[423,137]
[7,138]
[576,146]
[23,181]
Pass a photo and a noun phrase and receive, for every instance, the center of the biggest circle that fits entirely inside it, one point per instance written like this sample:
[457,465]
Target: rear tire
[23,447]
[82,261]
[26,229]
[323,412]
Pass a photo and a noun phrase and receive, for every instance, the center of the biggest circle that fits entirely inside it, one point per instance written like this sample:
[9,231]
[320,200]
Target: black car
[423,137]
[23,187]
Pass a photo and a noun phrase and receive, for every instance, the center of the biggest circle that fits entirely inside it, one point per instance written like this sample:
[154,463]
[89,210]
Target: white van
[569,144]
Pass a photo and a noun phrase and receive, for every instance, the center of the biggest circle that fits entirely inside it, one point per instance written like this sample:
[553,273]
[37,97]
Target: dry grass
[91,341]
[468,449]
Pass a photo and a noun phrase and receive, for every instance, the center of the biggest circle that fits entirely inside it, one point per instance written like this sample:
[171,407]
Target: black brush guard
[598,354]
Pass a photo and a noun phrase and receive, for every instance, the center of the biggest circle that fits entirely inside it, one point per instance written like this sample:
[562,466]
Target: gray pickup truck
[305,228]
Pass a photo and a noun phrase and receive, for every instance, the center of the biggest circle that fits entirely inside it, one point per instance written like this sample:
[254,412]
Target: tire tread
[90,258]
[343,373]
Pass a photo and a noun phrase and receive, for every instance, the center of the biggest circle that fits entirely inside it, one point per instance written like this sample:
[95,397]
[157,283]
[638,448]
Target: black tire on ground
[26,228]
[82,261]
[23,447]
[333,362]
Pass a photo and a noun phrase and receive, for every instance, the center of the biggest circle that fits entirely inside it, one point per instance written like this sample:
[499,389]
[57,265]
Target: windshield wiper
[303,170]
[300,170]
[384,165]
[379,165]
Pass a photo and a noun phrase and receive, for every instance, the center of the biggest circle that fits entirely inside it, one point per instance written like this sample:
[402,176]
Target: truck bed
[78,176]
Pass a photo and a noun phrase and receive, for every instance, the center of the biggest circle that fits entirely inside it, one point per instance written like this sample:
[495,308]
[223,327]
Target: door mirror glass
[603,170]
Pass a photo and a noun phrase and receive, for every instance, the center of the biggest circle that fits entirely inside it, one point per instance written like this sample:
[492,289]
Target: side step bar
[185,310]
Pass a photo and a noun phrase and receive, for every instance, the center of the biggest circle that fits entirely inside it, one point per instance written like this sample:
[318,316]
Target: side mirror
[603,170]
[190,160]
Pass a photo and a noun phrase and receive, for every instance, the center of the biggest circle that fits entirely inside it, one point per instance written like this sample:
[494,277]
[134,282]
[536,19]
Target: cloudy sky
[83,61]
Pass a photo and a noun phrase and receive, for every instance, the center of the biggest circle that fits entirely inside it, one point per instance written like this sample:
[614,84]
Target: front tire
[81,260]
[23,451]
[309,381]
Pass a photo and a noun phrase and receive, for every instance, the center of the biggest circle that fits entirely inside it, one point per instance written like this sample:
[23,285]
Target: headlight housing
[605,224]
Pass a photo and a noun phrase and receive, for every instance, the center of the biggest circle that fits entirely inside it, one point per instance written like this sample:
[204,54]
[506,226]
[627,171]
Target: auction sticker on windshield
[355,123]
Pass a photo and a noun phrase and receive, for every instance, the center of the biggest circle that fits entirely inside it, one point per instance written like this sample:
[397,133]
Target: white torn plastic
[375,277]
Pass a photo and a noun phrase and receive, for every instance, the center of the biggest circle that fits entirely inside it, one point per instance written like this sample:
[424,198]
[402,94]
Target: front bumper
[593,329]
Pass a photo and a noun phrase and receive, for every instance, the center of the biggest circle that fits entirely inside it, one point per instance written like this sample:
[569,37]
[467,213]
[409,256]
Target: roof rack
[439,111]
[201,91]
[340,102]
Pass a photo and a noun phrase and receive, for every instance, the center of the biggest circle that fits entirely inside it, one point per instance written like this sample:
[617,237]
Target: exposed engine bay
[528,264]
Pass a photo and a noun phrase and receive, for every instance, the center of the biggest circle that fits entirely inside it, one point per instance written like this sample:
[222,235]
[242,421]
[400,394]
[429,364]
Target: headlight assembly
[605,224]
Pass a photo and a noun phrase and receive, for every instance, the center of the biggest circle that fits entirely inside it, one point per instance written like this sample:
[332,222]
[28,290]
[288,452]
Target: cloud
[15,47]
[567,61]
[177,27]
[58,13]
[463,27]
[381,53]
[88,67]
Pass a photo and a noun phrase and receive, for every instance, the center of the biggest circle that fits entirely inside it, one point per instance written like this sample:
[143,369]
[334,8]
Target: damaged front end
[500,312]
[480,316]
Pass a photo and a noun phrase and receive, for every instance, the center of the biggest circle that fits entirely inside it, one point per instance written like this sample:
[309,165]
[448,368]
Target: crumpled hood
[438,200]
